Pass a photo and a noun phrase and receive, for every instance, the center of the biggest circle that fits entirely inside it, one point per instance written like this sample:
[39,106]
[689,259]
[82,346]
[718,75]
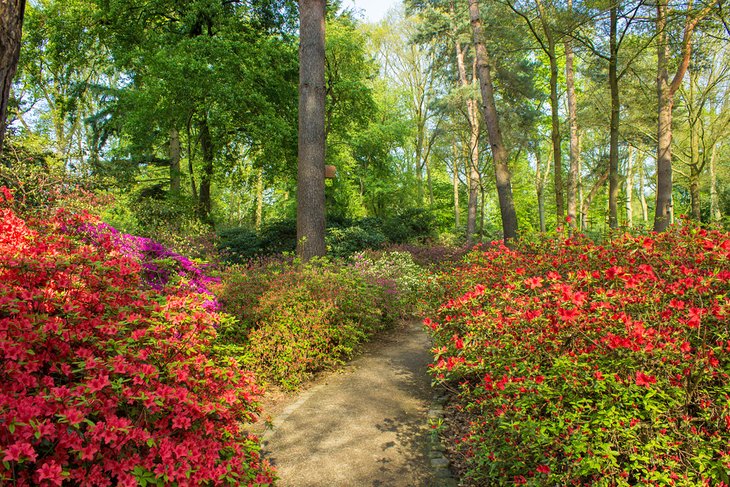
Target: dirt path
[364,426]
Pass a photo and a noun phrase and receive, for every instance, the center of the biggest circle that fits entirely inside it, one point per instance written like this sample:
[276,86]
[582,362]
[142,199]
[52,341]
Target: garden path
[365,425]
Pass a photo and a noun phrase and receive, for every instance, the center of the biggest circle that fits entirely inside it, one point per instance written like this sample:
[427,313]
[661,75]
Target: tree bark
[695,164]
[311,145]
[573,127]
[642,196]
[666,91]
[554,114]
[499,152]
[613,176]
[11,29]
[472,112]
[175,151]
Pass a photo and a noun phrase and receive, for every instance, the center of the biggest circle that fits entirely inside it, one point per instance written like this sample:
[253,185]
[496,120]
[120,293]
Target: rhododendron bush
[105,380]
[580,364]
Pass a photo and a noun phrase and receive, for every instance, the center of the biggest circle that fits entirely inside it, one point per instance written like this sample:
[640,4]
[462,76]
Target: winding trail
[363,426]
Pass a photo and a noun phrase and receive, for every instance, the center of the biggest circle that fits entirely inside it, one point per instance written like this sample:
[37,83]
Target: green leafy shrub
[582,364]
[295,320]
[398,274]
[358,236]
[410,225]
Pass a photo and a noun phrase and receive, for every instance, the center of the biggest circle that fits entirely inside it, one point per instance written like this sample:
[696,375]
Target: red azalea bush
[580,364]
[104,381]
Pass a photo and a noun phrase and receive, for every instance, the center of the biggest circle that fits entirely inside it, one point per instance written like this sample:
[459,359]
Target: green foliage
[296,320]
[399,274]
[410,225]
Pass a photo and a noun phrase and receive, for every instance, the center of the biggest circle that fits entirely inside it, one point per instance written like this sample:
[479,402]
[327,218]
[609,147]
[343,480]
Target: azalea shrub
[397,273]
[106,379]
[582,364]
[295,320]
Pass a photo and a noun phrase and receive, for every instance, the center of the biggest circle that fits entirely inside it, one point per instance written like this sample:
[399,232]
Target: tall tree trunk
[630,188]
[457,210]
[472,112]
[695,164]
[715,214]
[175,151]
[642,196]
[206,177]
[555,113]
[11,29]
[613,176]
[491,118]
[573,126]
[310,168]
[666,91]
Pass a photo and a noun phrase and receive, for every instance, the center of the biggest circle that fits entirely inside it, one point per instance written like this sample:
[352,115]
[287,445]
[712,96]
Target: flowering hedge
[581,364]
[105,381]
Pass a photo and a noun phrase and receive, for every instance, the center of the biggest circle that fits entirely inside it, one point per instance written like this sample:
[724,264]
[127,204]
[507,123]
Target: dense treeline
[613,115]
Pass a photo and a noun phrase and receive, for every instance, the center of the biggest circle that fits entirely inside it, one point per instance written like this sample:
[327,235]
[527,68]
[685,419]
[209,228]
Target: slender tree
[666,91]
[312,95]
[491,118]
[11,28]
[572,193]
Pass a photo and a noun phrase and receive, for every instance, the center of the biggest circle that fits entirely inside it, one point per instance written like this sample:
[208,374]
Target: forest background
[186,113]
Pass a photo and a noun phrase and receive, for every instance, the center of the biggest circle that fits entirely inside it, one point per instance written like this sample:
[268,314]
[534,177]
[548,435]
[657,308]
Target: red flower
[644,380]
[50,471]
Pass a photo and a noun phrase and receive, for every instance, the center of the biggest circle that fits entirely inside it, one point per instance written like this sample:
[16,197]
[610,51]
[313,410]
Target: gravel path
[363,426]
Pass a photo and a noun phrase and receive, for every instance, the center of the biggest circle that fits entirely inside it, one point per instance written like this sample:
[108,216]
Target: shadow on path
[365,426]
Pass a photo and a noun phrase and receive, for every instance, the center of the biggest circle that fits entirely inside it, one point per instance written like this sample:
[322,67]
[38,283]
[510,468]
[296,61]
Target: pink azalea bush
[583,364]
[105,380]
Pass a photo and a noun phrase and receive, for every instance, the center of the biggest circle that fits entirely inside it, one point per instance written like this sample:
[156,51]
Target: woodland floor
[363,425]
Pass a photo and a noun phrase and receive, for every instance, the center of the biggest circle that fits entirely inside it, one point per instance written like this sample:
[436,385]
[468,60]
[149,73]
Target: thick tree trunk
[175,151]
[310,168]
[11,29]
[715,214]
[206,147]
[491,118]
[613,176]
[573,126]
